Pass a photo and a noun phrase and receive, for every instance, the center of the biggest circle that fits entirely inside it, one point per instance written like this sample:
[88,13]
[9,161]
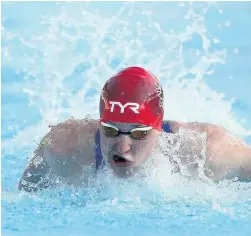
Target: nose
[124,143]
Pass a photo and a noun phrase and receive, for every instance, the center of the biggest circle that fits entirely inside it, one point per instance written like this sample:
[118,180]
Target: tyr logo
[133,106]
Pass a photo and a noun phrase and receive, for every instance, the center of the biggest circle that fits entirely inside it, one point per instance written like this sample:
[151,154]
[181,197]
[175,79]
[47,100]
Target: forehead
[121,125]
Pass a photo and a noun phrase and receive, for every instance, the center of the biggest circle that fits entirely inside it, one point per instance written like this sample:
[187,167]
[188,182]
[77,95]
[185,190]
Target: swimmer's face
[124,153]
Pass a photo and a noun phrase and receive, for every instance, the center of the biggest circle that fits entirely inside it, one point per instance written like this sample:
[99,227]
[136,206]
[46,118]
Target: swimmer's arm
[193,126]
[68,148]
[71,147]
[245,167]
[34,176]
[228,155]
[53,157]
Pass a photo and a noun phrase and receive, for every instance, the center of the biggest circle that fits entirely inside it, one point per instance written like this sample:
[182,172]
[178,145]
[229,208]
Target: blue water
[55,60]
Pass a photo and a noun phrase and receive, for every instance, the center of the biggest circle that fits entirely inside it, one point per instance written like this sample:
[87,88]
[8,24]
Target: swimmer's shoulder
[79,126]
[63,138]
[73,134]
[174,125]
[193,126]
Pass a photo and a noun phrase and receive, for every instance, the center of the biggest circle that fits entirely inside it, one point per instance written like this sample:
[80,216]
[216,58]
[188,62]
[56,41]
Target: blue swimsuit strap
[166,127]
[99,158]
[98,153]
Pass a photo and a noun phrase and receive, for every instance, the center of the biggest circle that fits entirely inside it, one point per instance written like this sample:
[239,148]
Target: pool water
[55,59]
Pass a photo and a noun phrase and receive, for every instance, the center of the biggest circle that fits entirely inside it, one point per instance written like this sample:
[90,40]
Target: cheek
[143,149]
[106,143]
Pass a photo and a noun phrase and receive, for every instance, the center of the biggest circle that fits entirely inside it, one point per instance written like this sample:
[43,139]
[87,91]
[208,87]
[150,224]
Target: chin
[122,171]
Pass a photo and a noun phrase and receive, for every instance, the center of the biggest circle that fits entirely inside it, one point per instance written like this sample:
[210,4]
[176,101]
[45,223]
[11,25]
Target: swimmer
[127,133]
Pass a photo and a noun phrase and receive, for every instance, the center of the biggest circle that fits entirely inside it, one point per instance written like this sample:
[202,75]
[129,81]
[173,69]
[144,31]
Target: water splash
[78,49]
[64,66]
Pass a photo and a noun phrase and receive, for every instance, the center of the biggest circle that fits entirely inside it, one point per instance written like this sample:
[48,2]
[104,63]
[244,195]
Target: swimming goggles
[136,133]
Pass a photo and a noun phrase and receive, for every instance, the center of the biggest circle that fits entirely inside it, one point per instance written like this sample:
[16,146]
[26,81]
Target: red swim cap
[133,95]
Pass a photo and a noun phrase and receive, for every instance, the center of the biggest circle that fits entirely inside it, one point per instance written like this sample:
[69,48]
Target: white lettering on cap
[133,106]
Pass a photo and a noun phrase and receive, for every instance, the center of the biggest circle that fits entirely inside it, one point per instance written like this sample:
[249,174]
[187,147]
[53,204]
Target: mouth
[121,161]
